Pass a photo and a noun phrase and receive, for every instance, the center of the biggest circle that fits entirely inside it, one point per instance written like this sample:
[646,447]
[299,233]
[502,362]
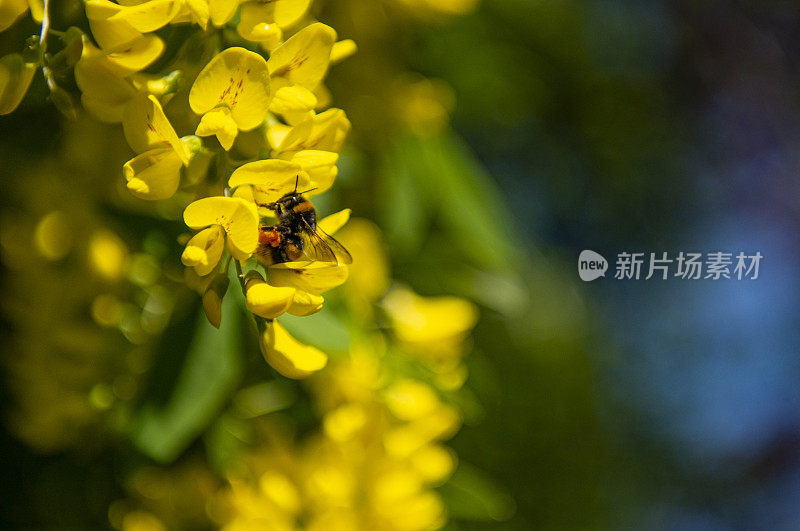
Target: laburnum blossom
[231,93]
[296,69]
[107,74]
[263,22]
[288,356]
[268,181]
[106,78]
[223,222]
[197,11]
[155,173]
[434,329]
[322,132]
[114,26]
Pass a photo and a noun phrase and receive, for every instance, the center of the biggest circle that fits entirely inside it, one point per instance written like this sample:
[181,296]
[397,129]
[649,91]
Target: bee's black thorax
[296,213]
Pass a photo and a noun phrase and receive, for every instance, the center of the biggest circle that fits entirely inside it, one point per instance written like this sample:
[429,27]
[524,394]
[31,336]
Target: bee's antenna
[309,190]
[296,181]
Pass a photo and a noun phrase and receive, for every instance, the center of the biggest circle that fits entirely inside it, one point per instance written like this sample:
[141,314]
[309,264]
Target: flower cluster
[223,128]
[246,94]
[263,120]
[385,412]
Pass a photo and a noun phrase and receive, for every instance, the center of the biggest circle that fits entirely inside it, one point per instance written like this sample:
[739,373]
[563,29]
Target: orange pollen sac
[269,237]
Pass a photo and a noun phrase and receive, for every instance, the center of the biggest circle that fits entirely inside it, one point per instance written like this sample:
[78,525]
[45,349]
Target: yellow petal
[315,278]
[324,132]
[342,50]
[200,10]
[222,11]
[147,127]
[154,174]
[434,463]
[276,133]
[105,111]
[15,78]
[264,300]
[303,59]
[330,224]
[429,319]
[287,355]
[256,24]
[99,80]
[140,54]
[10,11]
[212,299]
[344,422]
[236,78]
[409,399]
[409,438]
[37,9]
[305,303]
[271,179]
[204,250]
[320,166]
[110,34]
[148,16]
[268,35]
[239,219]
[294,99]
[287,12]
[219,122]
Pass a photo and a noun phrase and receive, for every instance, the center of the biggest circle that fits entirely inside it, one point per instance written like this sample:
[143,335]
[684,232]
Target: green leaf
[471,495]
[473,209]
[322,330]
[210,372]
[401,211]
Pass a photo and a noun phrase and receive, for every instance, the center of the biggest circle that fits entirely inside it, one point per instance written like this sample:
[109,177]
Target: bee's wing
[342,255]
[320,246]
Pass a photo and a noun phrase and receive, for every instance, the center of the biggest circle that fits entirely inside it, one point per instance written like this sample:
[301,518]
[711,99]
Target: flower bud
[212,299]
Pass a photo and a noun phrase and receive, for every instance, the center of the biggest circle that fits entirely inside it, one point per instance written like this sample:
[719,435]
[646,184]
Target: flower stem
[48,74]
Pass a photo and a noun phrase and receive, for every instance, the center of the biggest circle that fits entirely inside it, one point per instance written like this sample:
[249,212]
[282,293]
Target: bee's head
[287,202]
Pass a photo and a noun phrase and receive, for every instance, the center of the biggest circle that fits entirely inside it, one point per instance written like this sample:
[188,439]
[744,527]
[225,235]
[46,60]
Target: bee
[297,237]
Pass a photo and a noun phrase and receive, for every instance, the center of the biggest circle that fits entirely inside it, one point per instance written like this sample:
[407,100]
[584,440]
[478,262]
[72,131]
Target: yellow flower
[303,59]
[429,322]
[115,26]
[222,11]
[409,399]
[197,11]
[105,77]
[315,278]
[287,355]
[263,22]
[294,103]
[342,50]
[265,300]
[231,93]
[154,173]
[270,179]
[323,132]
[204,250]
[15,78]
[236,218]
